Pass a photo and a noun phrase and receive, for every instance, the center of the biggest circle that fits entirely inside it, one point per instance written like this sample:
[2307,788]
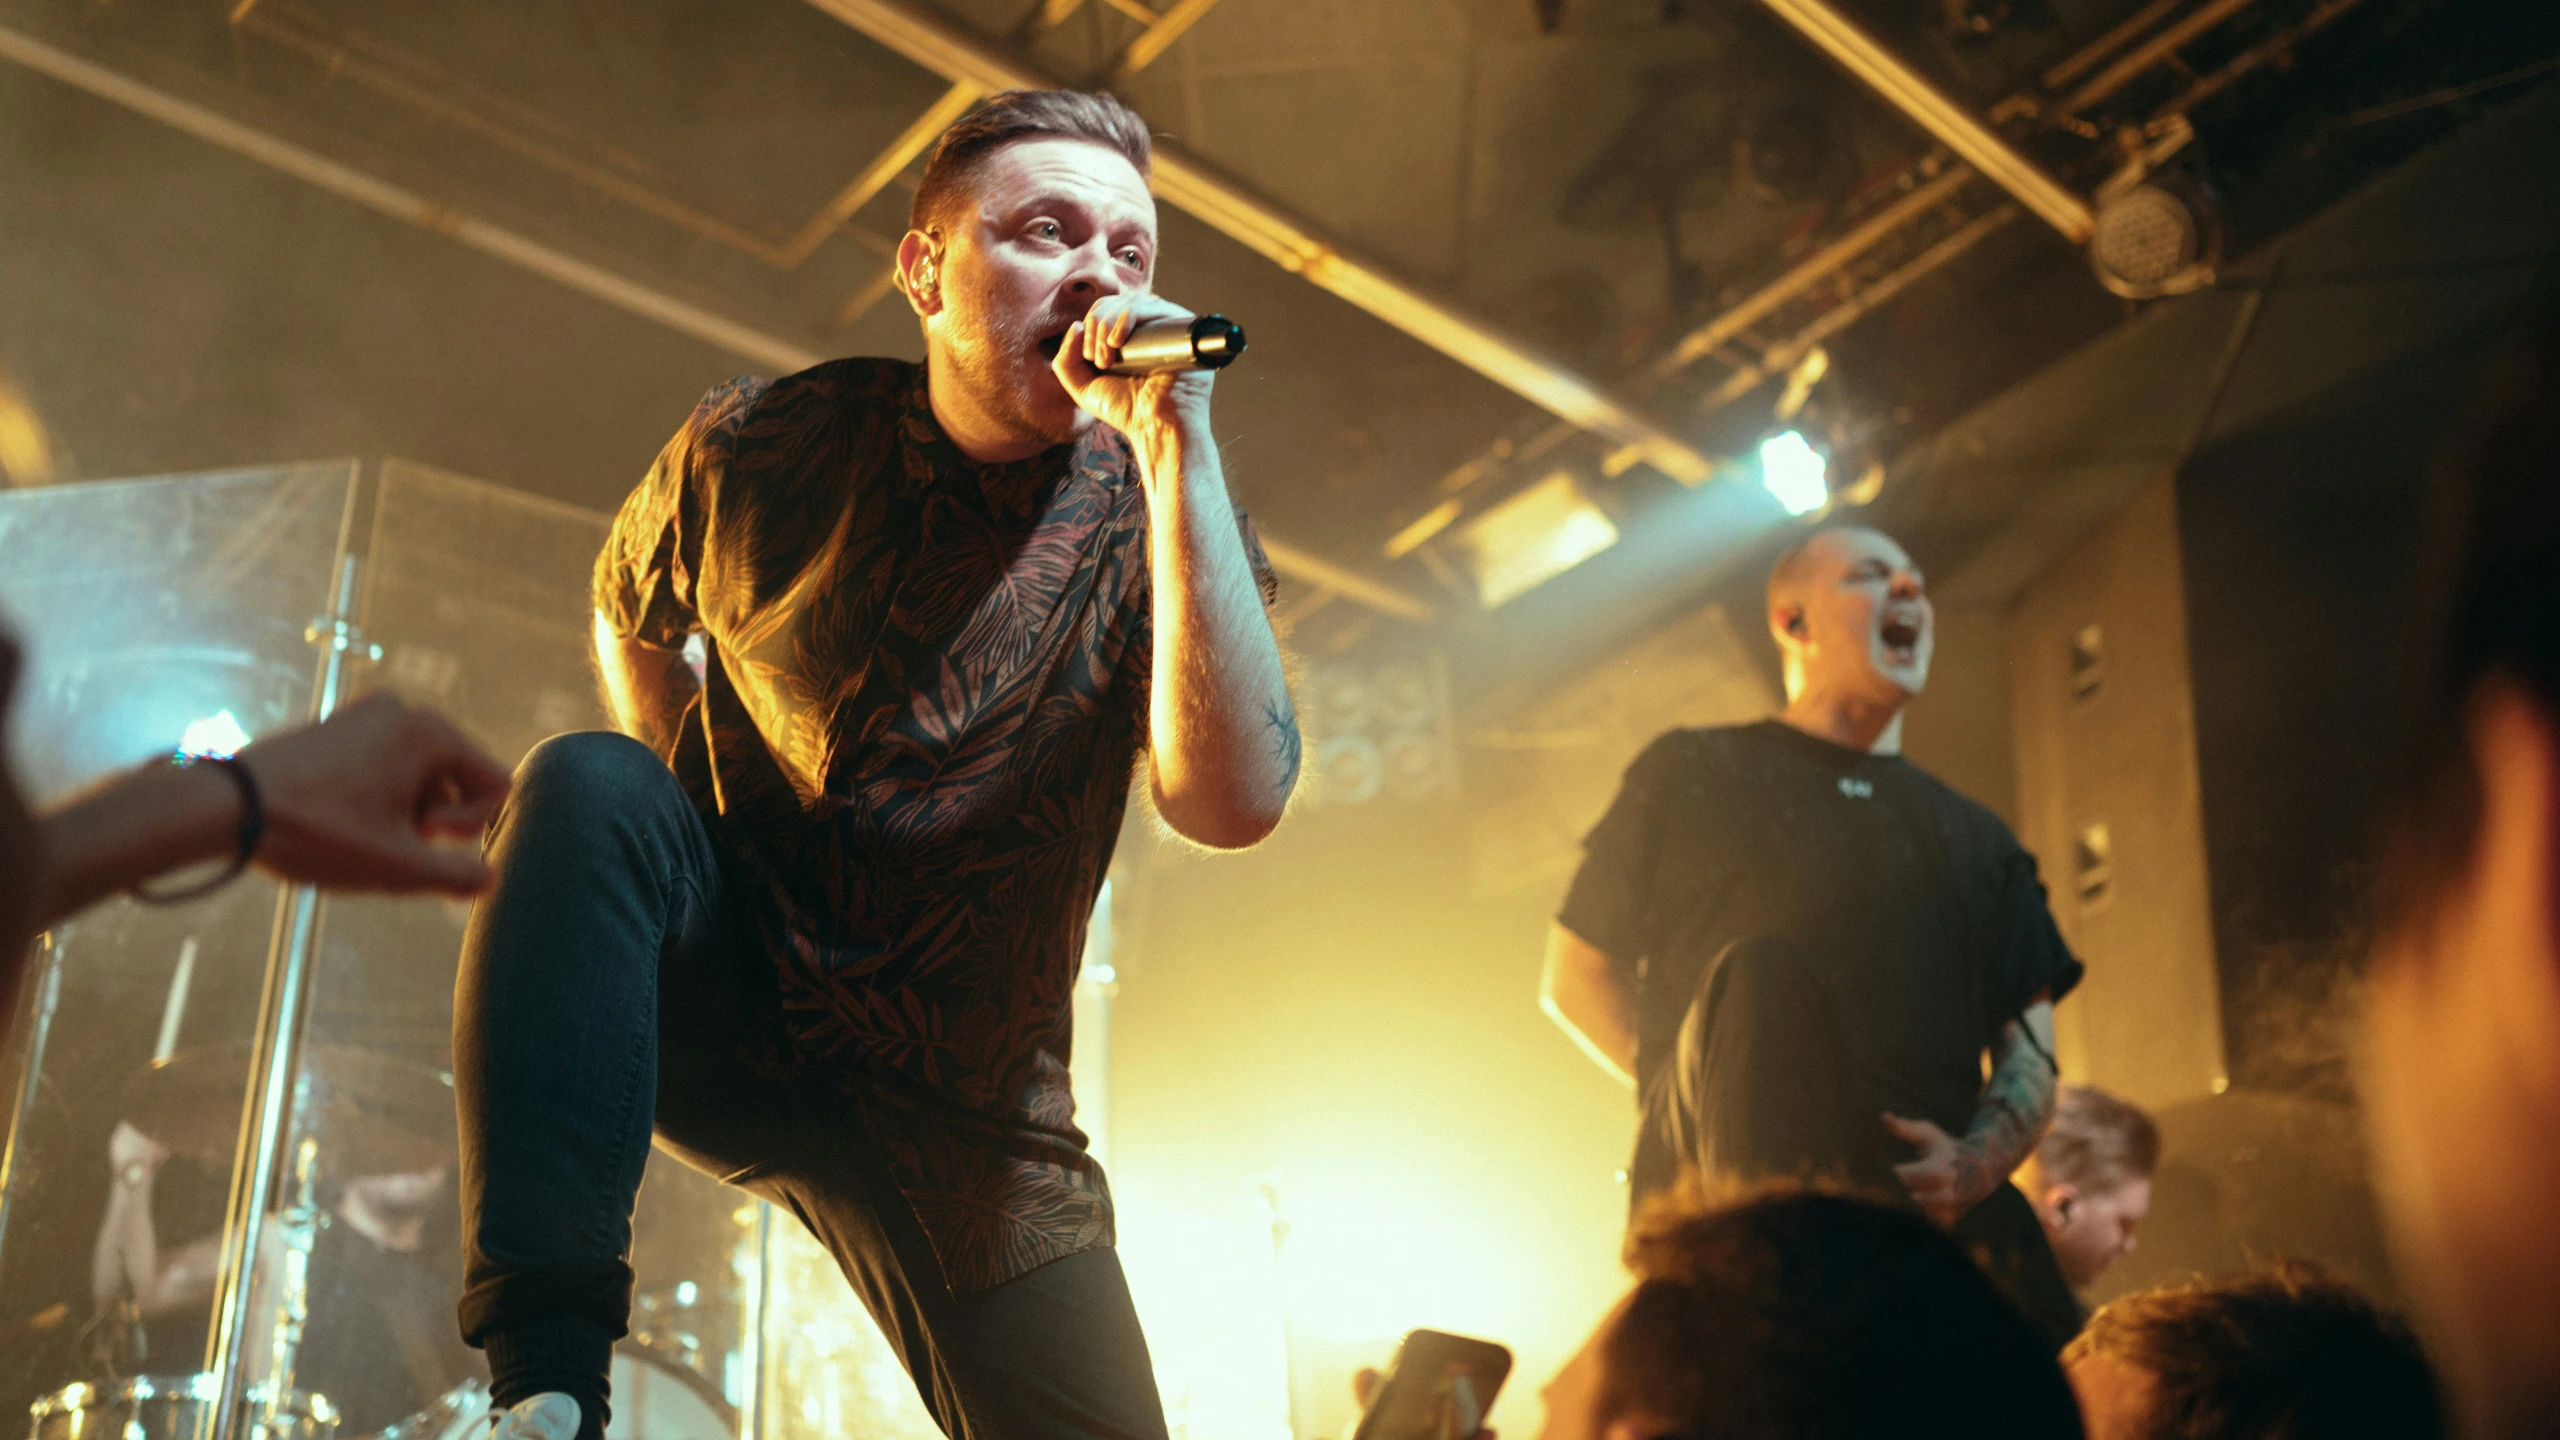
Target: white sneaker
[550,1415]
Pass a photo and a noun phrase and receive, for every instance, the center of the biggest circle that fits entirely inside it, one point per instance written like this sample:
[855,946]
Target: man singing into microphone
[817,919]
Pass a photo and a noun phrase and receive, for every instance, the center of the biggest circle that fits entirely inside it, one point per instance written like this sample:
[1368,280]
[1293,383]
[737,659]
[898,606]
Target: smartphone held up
[1440,1387]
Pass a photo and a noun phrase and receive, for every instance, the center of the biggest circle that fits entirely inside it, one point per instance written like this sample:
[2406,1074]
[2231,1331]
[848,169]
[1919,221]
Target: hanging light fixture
[1794,472]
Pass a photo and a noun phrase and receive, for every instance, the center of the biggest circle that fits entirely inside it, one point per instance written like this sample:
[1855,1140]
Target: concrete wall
[2109,801]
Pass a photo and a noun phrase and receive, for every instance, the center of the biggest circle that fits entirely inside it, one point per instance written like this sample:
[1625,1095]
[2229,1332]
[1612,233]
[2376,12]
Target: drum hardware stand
[755,1262]
[47,996]
[276,1062]
[296,1228]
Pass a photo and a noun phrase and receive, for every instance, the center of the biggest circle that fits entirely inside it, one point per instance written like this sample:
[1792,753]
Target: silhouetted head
[2285,1354]
[1793,1314]
[2463,1085]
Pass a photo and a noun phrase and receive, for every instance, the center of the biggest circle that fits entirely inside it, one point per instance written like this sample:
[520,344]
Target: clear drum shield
[477,597]
[155,613]
[198,610]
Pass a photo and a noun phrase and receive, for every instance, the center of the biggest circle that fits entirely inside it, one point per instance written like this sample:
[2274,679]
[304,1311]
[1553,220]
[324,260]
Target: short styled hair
[1011,115]
[2286,1353]
[1795,1313]
[2098,1140]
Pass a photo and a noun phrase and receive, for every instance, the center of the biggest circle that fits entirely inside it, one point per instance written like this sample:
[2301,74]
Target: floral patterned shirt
[925,695]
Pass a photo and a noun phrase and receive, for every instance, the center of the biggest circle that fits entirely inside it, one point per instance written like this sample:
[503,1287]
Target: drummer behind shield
[356,802]
[379,1342]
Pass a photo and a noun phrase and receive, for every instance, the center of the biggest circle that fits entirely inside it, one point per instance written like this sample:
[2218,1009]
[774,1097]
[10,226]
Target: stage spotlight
[217,735]
[1533,537]
[1792,470]
[2161,237]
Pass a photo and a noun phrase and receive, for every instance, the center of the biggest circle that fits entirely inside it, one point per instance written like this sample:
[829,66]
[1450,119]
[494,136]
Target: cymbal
[373,1114]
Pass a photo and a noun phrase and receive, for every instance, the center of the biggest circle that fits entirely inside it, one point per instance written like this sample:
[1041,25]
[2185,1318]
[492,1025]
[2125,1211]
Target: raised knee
[595,766]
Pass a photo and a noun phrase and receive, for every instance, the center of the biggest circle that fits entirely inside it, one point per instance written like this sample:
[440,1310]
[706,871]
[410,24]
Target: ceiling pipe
[1263,227]
[1980,146]
[590,279]
[876,176]
[1815,269]
[2151,52]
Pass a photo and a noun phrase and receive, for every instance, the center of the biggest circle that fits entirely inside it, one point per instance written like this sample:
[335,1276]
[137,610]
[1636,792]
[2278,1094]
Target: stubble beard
[991,366]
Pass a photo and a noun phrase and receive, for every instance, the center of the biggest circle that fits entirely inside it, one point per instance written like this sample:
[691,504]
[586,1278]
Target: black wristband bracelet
[253,826]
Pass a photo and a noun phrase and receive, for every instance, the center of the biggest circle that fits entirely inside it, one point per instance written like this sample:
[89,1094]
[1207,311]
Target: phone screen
[1441,1387]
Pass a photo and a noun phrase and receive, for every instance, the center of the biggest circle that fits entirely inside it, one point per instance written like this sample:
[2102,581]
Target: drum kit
[364,1114]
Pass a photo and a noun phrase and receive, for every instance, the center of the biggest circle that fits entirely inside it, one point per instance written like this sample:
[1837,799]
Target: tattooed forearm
[1287,746]
[2017,1103]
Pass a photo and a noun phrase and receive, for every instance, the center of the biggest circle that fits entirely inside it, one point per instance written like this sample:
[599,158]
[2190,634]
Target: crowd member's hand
[1946,1178]
[356,802]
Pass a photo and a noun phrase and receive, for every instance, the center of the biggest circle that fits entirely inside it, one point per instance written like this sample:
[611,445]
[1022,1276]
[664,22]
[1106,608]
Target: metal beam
[1815,268]
[884,167]
[596,282]
[873,291]
[1981,147]
[1268,230]
[2151,52]
[1351,585]
[2125,33]
[1158,37]
[1783,355]
[381,196]
[519,131]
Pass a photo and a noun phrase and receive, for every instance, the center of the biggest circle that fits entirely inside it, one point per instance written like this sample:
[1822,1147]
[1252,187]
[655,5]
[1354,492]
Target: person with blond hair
[2090,1179]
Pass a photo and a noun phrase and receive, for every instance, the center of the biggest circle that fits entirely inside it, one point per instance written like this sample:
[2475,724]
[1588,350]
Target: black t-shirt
[1922,909]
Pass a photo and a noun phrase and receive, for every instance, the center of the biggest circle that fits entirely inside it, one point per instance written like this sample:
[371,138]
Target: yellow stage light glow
[1204,1278]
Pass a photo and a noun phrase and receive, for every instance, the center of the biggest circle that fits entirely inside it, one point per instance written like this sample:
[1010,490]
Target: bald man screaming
[1797,947]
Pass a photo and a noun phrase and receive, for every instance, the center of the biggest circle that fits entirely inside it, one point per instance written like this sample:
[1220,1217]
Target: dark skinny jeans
[608,991]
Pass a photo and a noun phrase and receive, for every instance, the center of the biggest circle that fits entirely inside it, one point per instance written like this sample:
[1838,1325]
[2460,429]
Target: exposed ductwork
[1901,86]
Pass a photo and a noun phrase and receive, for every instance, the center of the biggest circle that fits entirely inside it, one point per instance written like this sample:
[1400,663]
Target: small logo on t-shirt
[1857,789]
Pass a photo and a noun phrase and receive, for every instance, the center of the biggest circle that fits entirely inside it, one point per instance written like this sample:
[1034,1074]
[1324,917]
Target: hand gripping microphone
[1209,342]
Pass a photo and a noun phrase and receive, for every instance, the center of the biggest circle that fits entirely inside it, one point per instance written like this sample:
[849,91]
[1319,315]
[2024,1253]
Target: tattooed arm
[1950,1176]
[1222,736]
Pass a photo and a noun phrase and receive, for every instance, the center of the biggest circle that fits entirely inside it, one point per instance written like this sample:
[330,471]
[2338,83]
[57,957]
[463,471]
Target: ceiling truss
[1919,223]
